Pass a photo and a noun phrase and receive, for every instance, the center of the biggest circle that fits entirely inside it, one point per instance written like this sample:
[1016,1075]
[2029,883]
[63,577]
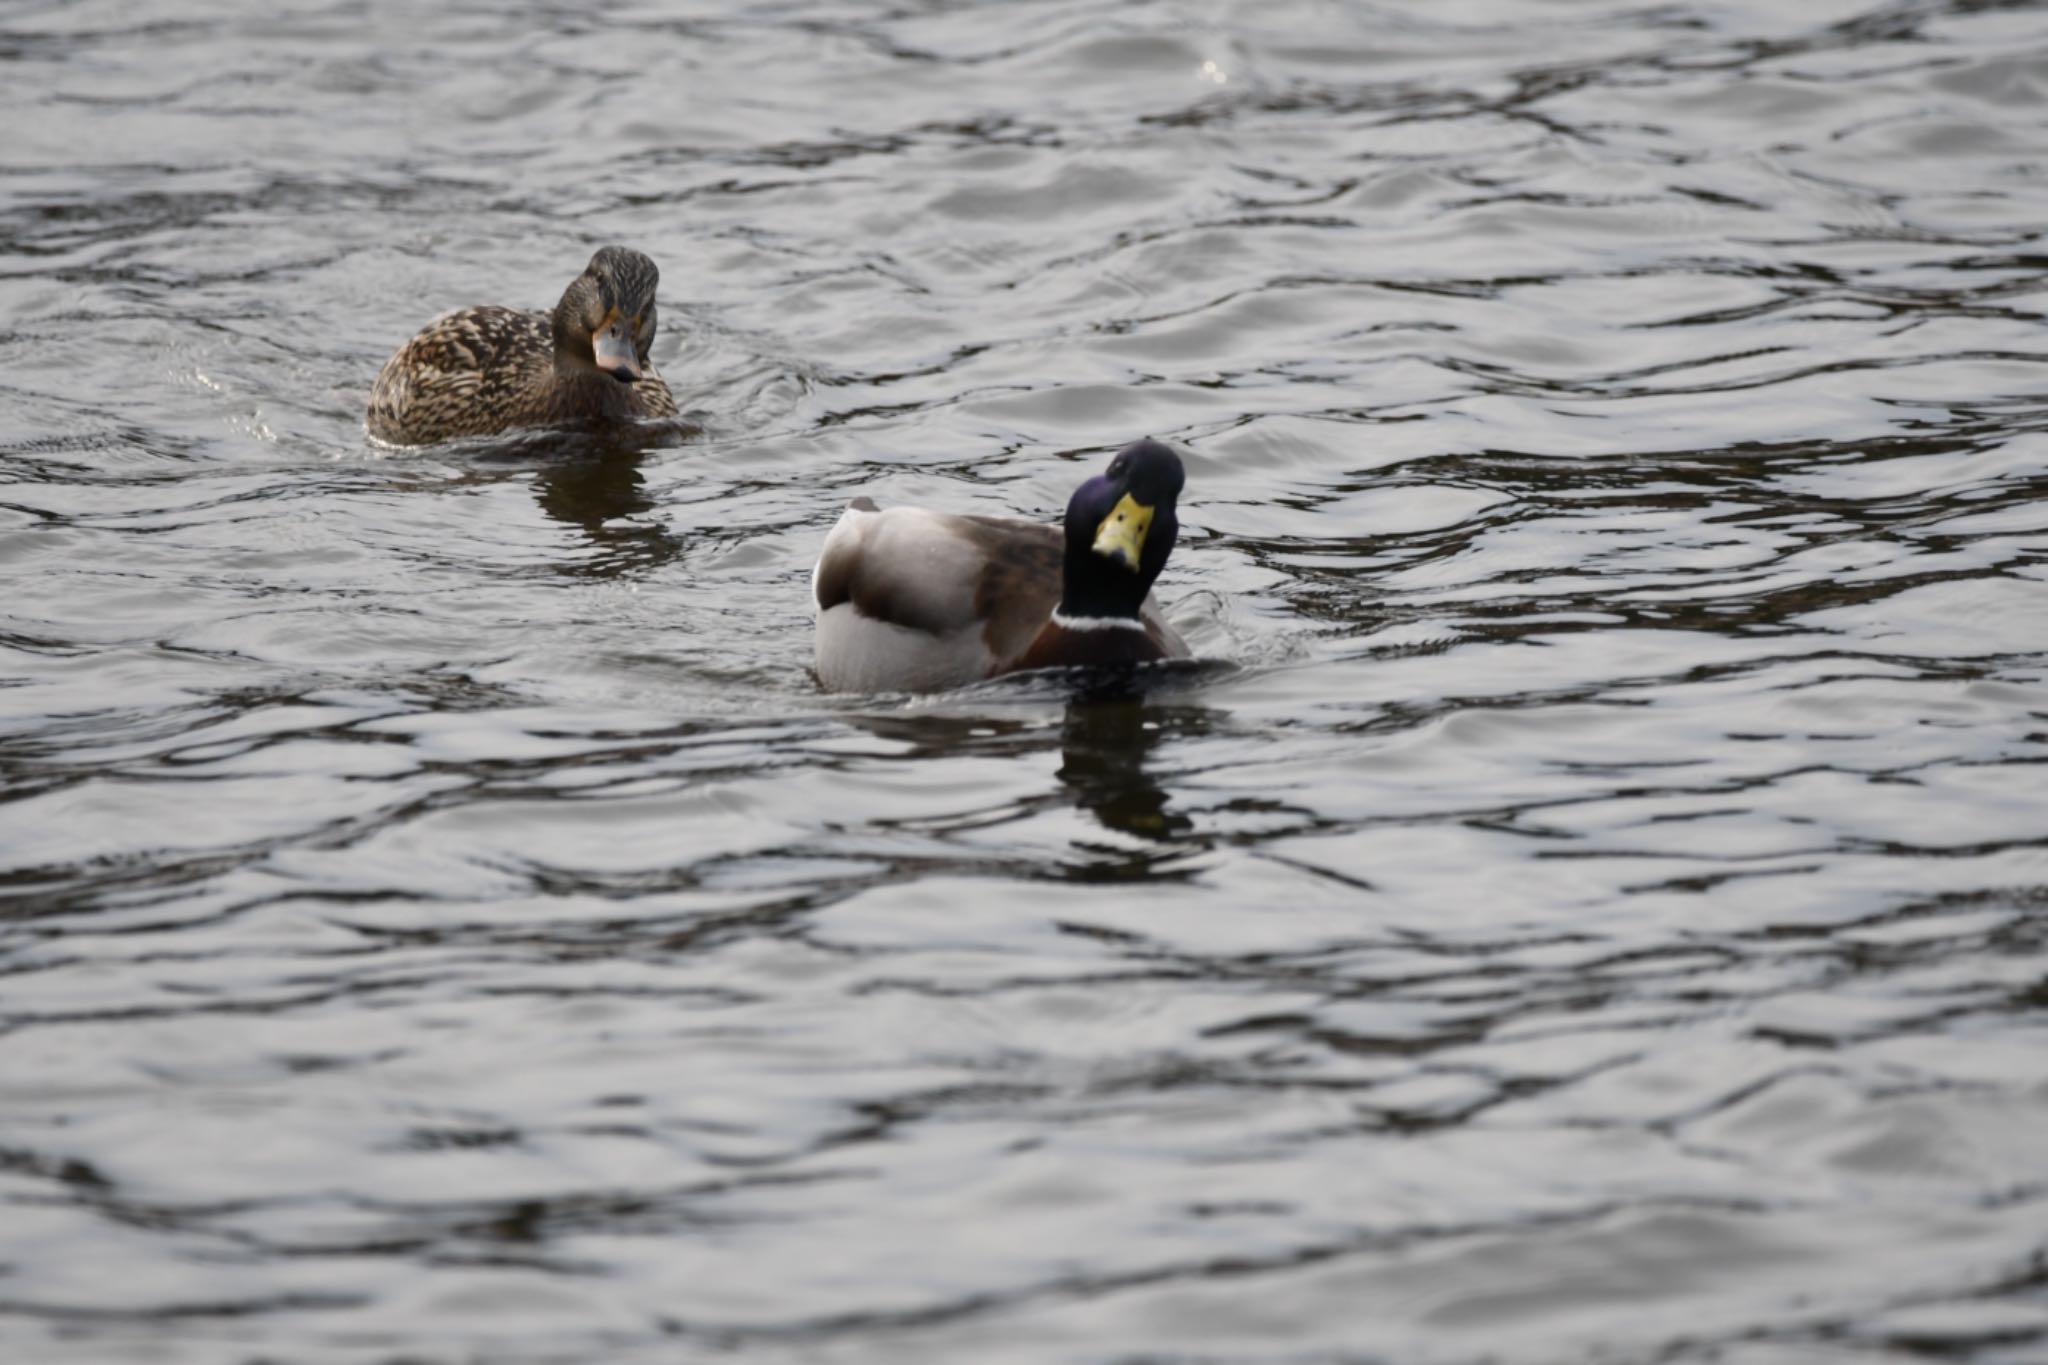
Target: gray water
[1592,907]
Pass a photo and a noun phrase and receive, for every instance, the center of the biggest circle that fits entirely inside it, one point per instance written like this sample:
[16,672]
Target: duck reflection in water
[599,487]
[1104,745]
[1108,734]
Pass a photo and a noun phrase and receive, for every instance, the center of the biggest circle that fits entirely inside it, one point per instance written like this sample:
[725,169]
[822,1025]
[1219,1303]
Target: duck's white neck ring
[1065,622]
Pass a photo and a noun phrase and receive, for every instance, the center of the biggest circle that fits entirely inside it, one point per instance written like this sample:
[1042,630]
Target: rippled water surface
[1595,907]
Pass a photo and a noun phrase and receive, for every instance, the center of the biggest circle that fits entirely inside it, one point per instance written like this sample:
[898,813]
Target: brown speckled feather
[479,371]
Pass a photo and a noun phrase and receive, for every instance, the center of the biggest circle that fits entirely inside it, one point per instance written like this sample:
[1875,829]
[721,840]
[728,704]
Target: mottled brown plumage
[480,371]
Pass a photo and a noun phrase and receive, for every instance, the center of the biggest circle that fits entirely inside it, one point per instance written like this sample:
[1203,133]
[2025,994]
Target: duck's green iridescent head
[1120,527]
[606,317]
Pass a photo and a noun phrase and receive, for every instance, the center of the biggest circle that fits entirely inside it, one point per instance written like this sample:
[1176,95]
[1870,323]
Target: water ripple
[1586,904]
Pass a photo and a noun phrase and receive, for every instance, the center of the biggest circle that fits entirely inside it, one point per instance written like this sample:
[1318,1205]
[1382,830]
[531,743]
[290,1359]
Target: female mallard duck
[917,601]
[484,370]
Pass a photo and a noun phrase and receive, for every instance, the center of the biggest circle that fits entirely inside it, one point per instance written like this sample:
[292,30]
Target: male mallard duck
[485,370]
[911,600]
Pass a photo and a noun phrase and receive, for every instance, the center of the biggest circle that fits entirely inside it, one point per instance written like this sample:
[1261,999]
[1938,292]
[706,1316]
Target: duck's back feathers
[479,371]
[911,600]
[473,372]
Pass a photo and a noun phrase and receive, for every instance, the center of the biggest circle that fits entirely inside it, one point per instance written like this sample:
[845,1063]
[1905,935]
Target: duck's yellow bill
[1121,534]
[613,348]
